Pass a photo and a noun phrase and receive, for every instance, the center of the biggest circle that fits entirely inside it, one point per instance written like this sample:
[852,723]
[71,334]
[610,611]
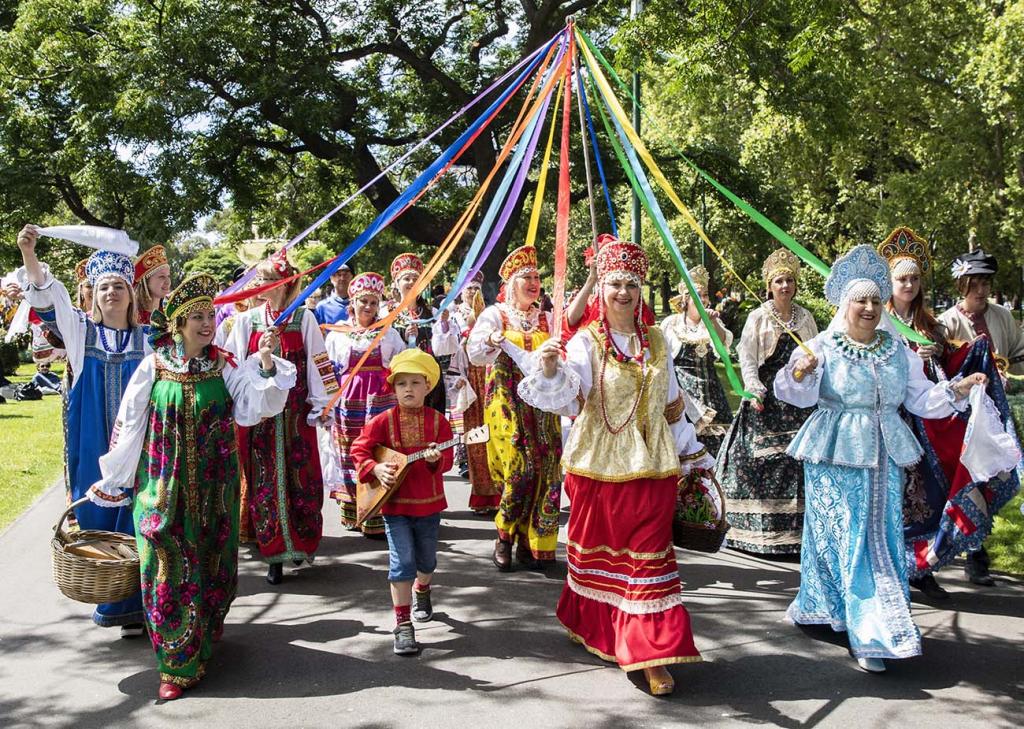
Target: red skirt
[622,600]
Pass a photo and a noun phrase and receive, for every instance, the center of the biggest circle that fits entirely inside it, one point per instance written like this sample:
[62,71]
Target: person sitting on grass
[412,516]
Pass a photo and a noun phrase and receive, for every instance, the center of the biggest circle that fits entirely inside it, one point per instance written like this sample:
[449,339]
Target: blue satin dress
[855,447]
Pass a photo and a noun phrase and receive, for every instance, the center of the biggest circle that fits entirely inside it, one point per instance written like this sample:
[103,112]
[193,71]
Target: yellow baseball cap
[415,362]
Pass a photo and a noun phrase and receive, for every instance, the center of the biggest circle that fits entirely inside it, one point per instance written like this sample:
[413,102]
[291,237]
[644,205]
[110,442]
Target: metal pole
[636,7]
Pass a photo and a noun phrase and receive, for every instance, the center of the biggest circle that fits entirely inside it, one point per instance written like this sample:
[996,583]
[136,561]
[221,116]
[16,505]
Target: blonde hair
[133,310]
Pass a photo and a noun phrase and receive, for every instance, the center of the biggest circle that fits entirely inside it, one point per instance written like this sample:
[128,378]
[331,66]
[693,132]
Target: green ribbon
[774,230]
[645,194]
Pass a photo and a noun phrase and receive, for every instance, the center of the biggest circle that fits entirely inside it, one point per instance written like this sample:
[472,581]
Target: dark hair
[963,284]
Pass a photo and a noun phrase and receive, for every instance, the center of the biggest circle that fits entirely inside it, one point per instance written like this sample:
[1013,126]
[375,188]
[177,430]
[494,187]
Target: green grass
[32,442]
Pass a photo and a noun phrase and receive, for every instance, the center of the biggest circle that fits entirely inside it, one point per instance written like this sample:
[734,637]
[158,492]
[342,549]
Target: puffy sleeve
[444,336]
[53,305]
[691,453]
[924,398]
[258,395]
[480,352]
[748,352]
[118,465]
[727,339]
[319,368]
[802,394]
[672,342]
[390,345]
[237,341]
[339,348]
[567,390]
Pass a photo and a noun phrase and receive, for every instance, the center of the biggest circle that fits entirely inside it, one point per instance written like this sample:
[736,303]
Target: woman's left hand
[963,387]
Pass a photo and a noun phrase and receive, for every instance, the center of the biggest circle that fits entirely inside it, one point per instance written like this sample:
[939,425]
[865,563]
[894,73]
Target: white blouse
[678,331]
[312,341]
[341,345]
[478,346]
[255,397]
[558,394]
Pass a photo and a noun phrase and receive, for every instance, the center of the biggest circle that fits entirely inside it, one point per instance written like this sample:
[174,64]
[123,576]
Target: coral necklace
[612,349]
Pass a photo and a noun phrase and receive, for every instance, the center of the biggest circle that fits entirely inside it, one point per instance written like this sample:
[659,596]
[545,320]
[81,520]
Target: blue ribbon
[414,188]
[597,154]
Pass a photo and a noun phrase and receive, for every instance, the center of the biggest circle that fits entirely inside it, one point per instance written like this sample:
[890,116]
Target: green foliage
[219,262]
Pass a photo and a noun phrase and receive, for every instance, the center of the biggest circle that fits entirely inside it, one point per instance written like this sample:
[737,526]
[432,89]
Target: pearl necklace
[526,321]
[777,316]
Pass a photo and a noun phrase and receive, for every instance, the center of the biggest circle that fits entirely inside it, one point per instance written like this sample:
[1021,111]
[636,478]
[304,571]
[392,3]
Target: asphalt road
[316,650]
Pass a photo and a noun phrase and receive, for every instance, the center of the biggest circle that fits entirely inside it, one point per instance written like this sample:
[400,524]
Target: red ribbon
[562,223]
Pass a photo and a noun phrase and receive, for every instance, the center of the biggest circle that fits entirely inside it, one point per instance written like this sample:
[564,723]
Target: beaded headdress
[975,263]
[861,265]
[621,256]
[104,264]
[906,251]
[780,261]
[366,283]
[521,260]
[405,262]
[193,294]
[80,274]
[149,261]
[700,277]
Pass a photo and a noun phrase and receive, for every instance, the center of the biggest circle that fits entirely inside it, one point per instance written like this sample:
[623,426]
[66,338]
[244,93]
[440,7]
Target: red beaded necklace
[605,330]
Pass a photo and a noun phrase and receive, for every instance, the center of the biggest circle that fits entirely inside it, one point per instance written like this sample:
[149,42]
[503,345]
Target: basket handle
[58,532]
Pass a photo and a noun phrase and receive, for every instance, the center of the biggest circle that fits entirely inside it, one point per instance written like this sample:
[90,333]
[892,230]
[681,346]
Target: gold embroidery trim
[622,477]
[188,392]
[620,552]
[674,410]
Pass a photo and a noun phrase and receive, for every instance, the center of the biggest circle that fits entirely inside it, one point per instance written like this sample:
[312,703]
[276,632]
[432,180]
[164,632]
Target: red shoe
[169,691]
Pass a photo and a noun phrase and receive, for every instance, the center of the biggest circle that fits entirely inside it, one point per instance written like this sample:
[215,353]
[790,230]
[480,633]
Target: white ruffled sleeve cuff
[556,394]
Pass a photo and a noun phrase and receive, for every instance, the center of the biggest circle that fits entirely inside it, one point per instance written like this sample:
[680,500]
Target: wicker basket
[94,566]
[701,537]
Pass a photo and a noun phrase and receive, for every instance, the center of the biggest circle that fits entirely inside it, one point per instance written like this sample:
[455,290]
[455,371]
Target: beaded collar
[172,358]
[523,321]
[611,348]
[879,349]
[776,318]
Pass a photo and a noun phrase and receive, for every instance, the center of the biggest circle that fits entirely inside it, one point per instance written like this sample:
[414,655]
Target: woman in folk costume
[280,456]
[945,511]
[152,281]
[174,456]
[855,447]
[626,451]
[526,443]
[764,486]
[103,351]
[439,339]
[484,495]
[366,395]
[693,356]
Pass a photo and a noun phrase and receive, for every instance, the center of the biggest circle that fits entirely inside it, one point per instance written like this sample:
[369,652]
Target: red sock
[420,587]
[403,614]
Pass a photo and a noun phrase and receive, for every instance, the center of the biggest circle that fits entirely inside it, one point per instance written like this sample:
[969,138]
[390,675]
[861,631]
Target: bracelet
[269,373]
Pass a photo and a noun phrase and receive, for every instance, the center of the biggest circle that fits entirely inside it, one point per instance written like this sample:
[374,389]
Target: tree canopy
[839,119]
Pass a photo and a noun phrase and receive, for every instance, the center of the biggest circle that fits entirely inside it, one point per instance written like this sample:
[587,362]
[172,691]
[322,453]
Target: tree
[143,114]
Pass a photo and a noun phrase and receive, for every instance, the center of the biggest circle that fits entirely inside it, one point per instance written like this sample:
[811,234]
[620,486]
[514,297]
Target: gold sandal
[659,680]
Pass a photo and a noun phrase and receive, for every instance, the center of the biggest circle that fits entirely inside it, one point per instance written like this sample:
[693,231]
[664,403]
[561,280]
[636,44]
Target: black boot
[930,587]
[275,573]
[976,568]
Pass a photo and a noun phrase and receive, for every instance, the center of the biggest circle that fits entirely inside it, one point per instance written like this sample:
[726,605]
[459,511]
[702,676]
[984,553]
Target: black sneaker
[133,630]
[976,569]
[930,587]
[275,573]
[422,611]
[405,640]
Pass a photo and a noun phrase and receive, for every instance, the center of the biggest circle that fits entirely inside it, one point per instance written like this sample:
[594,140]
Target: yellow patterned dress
[525,448]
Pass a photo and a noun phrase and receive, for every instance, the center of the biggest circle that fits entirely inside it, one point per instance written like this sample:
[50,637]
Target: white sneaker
[872,665]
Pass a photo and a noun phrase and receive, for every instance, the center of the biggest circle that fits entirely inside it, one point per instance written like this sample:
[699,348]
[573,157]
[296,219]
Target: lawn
[32,444]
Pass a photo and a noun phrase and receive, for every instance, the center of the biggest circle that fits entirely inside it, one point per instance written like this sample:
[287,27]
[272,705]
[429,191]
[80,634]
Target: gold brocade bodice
[644,448]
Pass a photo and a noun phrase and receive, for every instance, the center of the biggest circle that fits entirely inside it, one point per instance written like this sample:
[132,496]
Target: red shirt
[408,431]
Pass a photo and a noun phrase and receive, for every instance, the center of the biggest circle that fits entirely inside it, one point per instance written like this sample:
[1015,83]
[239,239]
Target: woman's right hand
[550,352]
[27,239]
[805,366]
[495,339]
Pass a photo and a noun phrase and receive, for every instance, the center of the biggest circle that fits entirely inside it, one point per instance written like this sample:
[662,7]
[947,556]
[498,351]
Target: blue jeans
[412,545]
